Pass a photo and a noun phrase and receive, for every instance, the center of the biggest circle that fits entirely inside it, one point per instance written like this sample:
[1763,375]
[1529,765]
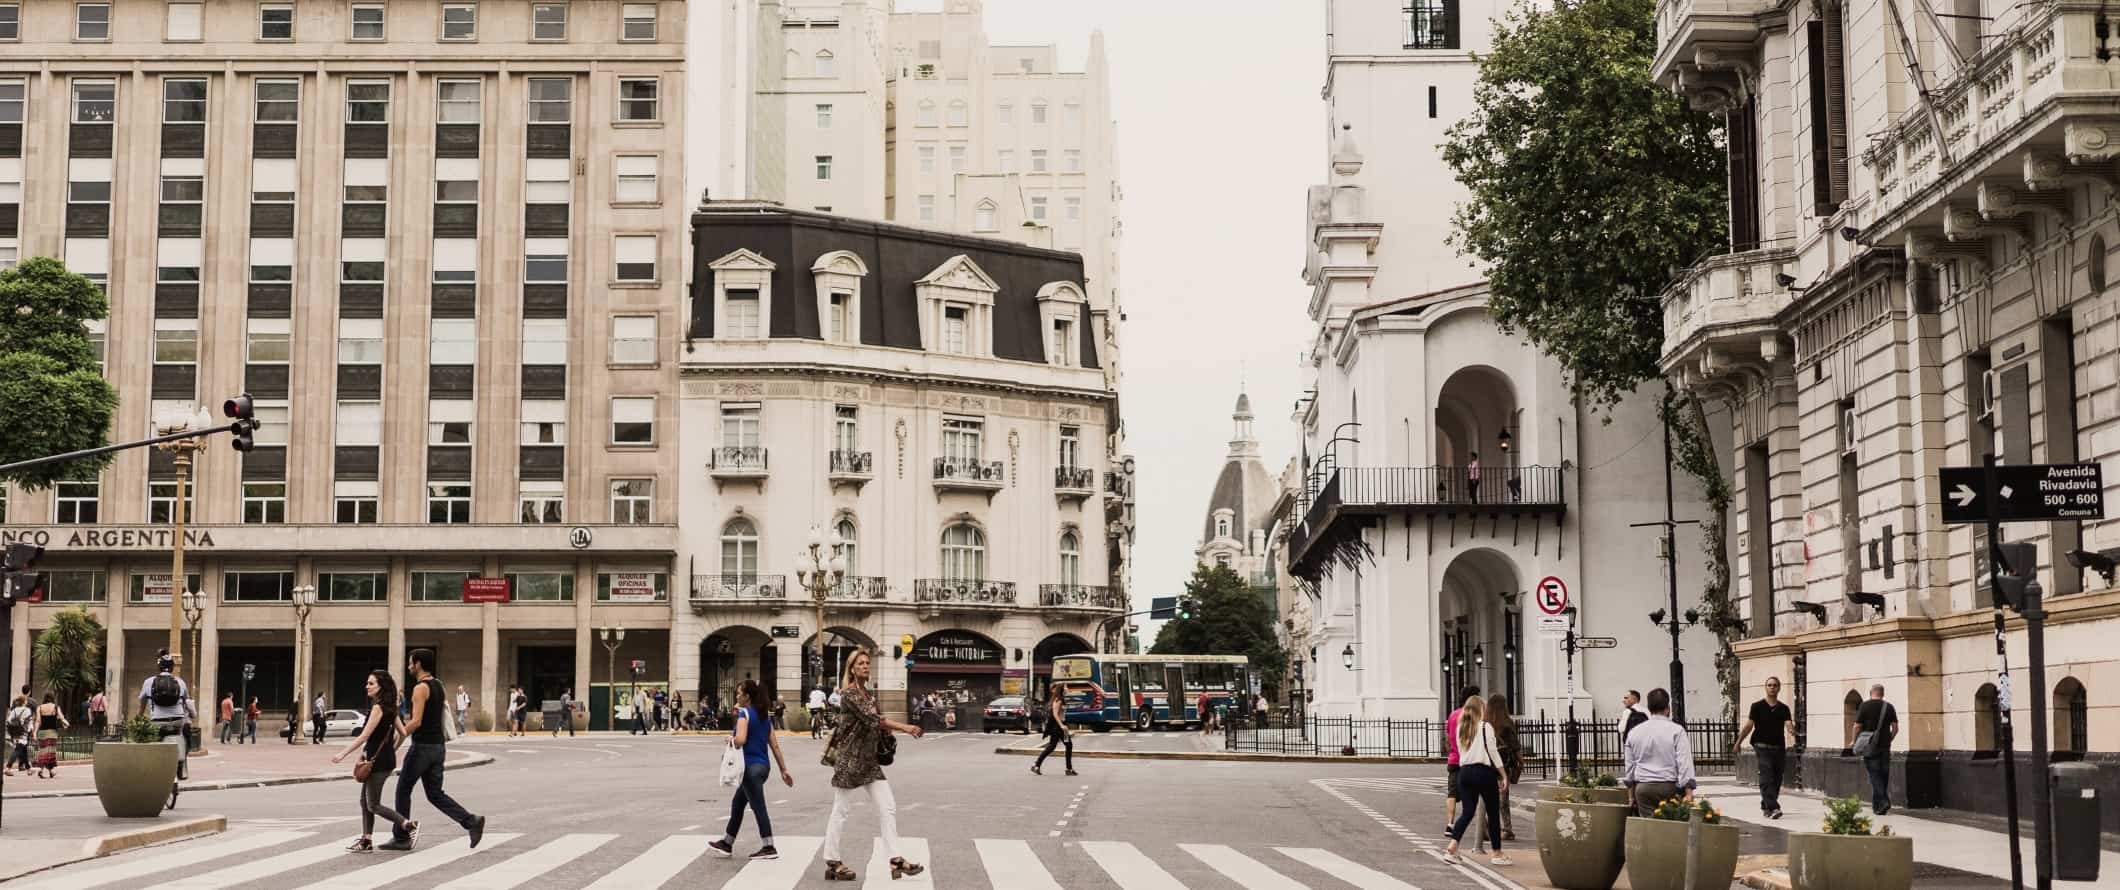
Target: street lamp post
[305,599]
[818,573]
[180,452]
[194,612]
[612,638]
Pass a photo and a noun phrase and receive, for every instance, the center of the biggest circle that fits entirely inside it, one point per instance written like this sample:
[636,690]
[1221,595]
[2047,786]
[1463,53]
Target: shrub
[1588,779]
[1679,809]
[139,730]
[1844,816]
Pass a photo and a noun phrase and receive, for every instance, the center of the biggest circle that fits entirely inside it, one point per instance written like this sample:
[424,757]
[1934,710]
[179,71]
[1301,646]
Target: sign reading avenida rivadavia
[107,538]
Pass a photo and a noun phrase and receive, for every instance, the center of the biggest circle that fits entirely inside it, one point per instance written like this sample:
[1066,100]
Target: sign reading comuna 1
[2023,493]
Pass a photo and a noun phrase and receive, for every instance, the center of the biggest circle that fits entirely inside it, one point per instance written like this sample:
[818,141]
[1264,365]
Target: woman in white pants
[852,756]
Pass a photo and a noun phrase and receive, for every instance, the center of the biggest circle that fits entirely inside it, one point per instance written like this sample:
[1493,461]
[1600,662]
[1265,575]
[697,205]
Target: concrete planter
[1581,845]
[133,780]
[1656,855]
[1848,862]
[1597,795]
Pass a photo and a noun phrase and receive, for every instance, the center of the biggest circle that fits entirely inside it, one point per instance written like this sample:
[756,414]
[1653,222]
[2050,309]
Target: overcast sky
[1219,135]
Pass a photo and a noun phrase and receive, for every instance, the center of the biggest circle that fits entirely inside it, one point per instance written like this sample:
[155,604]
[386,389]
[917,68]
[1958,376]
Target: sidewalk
[64,839]
[229,766]
[1176,745]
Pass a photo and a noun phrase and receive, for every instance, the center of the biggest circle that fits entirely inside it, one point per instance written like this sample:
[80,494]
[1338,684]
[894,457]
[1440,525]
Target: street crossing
[604,861]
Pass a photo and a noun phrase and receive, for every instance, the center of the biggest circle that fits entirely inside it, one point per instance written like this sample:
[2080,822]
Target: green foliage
[1844,816]
[69,656]
[1583,778]
[139,730]
[54,396]
[1679,809]
[1229,617]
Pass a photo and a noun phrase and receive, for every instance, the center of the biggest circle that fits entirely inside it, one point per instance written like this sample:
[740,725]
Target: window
[1070,447]
[1072,160]
[541,587]
[367,22]
[1430,24]
[183,200]
[448,502]
[14,98]
[956,322]
[960,114]
[837,331]
[961,438]
[276,102]
[1038,164]
[272,421]
[1829,114]
[268,341]
[353,587]
[956,159]
[91,21]
[439,587]
[360,343]
[1038,207]
[368,102]
[639,22]
[1986,720]
[963,553]
[637,179]
[632,501]
[264,503]
[824,116]
[632,420]
[276,21]
[257,587]
[10,21]
[545,266]
[926,116]
[458,103]
[1007,114]
[825,66]
[636,257]
[632,587]
[548,21]
[544,341]
[551,100]
[354,502]
[176,341]
[542,502]
[633,339]
[95,101]
[1221,526]
[186,21]
[76,587]
[846,428]
[544,422]
[1071,116]
[983,217]
[1008,161]
[449,421]
[1074,209]
[927,159]
[459,21]
[75,502]
[1070,560]
[1038,112]
[927,208]
[848,546]
[1063,343]
[739,548]
[638,99]
[824,168]
[1431,102]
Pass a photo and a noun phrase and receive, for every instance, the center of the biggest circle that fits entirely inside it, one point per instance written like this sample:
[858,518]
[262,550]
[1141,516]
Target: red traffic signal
[243,412]
[239,408]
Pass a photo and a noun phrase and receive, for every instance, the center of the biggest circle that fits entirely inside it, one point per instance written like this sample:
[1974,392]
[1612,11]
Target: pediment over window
[742,260]
[960,273]
[838,262]
[1063,291]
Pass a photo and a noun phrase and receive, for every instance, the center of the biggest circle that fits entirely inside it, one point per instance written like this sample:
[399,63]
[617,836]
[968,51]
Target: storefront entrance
[962,670]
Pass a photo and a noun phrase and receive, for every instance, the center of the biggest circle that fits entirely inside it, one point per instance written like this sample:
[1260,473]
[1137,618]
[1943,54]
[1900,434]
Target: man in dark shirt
[1879,717]
[1766,725]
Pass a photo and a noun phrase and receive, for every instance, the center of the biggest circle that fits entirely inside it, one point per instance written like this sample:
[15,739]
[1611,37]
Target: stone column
[18,665]
[489,663]
[400,593]
[114,692]
[586,649]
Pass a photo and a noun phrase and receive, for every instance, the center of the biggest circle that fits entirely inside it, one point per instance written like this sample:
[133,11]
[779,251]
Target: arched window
[927,113]
[2072,712]
[963,553]
[739,548]
[960,114]
[1848,708]
[847,547]
[825,66]
[1221,526]
[1070,559]
[1986,723]
[983,217]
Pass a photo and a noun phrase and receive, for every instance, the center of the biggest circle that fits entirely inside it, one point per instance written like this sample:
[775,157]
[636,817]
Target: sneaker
[1500,859]
[1071,771]
[1776,814]
[395,846]
[363,845]
[478,830]
[412,832]
[765,852]
[721,848]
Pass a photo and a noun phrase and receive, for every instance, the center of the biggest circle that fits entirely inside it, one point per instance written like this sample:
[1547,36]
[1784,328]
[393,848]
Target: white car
[346,723]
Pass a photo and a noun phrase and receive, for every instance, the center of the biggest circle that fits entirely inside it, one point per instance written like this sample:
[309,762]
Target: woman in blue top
[754,734]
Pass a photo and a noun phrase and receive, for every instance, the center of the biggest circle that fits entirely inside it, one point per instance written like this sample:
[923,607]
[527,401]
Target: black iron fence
[1591,745]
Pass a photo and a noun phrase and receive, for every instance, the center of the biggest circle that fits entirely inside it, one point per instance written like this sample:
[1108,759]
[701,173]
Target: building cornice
[878,375]
[1958,625]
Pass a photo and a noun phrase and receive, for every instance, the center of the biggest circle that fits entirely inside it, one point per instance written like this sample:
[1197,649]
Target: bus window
[1148,679]
[1115,676]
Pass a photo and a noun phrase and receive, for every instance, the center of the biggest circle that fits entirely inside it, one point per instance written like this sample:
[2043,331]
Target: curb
[466,763]
[1222,756]
[114,842]
[1766,879]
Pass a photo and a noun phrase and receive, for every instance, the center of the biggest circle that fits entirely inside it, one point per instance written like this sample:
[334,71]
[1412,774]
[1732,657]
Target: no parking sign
[1552,595]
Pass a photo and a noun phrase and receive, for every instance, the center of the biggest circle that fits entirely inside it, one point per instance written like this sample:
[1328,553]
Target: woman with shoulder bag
[761,749]
[1510,744]
[861,746]
[378,746]
[1479,779]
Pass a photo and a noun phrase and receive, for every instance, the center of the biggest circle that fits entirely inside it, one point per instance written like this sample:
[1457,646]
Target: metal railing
[969,469]
[853,462]
[737,458]
[868,588]
[730,588]
[1074,478]
[1081,596]
[1430,24]
[952,591]
[1115,485]
[1595,742]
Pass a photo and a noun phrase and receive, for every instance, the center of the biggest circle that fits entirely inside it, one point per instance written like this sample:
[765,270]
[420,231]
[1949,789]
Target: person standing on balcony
[1472,476]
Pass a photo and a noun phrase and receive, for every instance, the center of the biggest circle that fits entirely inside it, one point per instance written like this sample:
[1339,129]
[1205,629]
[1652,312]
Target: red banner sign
[486,590]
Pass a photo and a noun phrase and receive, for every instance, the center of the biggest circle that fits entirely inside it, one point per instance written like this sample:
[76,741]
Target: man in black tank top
[423,758]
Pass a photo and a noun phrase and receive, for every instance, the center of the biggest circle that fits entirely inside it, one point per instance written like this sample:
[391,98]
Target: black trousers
[1880,770]
[1479,784]
[1054,737]
[423,766]
[1772,762]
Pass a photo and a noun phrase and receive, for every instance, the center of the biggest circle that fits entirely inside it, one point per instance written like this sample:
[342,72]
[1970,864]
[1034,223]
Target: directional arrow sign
[1596,642]
[2023,493]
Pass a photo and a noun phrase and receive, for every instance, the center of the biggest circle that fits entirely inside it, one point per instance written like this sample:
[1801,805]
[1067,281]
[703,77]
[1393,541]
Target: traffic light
[2017,586]
[19,581]
[240,410]
[1187,608]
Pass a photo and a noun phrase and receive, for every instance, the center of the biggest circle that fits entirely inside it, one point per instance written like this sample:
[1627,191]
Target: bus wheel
[1144,720]
[1100,728]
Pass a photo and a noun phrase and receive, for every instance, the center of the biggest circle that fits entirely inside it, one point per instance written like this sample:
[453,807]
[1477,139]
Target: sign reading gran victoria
[136,538]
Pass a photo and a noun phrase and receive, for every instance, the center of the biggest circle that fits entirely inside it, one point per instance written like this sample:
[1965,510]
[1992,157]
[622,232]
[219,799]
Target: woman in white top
[1480,778]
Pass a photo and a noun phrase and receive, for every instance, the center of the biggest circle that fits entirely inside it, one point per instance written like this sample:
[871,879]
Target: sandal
[834,871]
[900,868]
[363,845]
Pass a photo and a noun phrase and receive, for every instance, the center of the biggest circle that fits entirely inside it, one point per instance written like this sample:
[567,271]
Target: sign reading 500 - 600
[2023,493]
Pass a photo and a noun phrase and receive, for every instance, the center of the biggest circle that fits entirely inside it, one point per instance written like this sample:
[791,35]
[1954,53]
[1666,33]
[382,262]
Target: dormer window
[957,308]
[1221,527]
[983,217]
[838,277]
[955,321]
[743,296]
[1060,312]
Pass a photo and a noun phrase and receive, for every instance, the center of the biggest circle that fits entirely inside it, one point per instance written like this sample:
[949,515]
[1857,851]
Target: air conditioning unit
[1988,396]
[1849,436]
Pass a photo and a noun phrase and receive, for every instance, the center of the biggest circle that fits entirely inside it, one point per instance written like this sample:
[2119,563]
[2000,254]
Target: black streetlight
[1347,657]
[1479,655]
[1503,439]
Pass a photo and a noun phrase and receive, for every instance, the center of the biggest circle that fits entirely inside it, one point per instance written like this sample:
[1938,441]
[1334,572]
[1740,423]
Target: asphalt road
[636,812]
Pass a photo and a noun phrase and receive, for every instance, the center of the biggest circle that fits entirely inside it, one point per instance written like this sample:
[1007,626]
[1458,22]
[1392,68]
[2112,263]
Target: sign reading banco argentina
[145,538]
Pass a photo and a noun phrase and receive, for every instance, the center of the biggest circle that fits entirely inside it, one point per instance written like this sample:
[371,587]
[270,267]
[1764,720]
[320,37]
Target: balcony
[710,591]
[1347,502]
[960,595]
[1692,35]
[1720,313]
[855,589]
[854,468]
[1076,483]
[969,474]
[1081,597]
[737,462]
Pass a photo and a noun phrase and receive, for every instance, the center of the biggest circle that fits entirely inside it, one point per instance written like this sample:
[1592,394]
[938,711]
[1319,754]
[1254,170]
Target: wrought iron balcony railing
[961,592]
[851,463]
[1081,596]
[860,588]
[1082,479]
[738,459]
[738,588]
[969,472]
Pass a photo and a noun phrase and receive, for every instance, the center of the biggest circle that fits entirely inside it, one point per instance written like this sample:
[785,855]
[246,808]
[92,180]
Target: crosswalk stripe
[128,867]
[1011,864]
[662,862]
[1129,866]
[1332,864]
[516,870]
[1240,868]
[416,863]
[784,873]
[256,868]
[913,849]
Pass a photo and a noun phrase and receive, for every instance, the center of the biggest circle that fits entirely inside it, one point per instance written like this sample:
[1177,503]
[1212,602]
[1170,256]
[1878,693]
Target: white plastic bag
[731,765]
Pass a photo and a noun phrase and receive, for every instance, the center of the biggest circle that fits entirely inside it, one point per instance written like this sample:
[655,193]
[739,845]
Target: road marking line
[660,863]
[913,849]
[517,870]
[1131,868]
[1011,864]
[1332,864]
[520,751]
[395,870]
[778,874]
[129,867]
[256,868]
[1052,834]
[1240,868]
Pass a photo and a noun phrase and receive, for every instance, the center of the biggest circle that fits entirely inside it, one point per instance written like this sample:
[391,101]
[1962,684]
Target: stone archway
[729,656]
[840,642]
[1480,615]
[1053,646]
[1475,419]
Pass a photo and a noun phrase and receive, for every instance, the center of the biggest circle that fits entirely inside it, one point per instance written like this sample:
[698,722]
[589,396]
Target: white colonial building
[1447,468]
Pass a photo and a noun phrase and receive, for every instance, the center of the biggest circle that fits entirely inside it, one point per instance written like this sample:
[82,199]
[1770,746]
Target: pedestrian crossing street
[280,857]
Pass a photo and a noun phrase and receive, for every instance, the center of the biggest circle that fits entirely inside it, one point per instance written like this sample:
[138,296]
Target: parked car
[1005,713]
[345,723]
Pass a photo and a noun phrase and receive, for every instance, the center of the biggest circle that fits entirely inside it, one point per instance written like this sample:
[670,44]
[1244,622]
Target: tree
[69,656]
[1229,618]
[1589,184]
[51,390]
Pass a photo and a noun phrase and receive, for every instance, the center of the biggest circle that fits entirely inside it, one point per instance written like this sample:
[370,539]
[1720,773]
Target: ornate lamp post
[194,604]
[818,573]
[612,638]
[180,451]
[304,599]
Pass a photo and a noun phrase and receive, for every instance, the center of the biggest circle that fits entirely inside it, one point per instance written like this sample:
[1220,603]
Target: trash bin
[2074,792]
[552,715]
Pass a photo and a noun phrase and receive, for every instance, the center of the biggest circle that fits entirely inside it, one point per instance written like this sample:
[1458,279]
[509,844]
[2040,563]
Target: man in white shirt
[1659,758]
[463,707]
[640,713]
[816,710]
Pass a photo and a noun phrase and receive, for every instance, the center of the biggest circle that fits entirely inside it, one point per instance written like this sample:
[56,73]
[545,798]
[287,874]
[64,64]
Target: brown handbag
[362,769]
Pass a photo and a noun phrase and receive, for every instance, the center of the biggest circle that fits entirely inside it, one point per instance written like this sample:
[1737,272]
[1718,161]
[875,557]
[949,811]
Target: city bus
[1103,691]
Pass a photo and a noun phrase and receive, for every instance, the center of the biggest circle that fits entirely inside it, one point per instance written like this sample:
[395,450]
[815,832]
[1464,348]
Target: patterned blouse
[853,747]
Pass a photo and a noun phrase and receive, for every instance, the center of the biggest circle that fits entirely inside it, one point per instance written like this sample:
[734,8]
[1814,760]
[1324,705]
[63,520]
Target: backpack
[15,725]
[165,692]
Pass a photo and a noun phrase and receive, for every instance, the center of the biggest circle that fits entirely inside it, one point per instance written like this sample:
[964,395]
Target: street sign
[905,644]
[787,631]
[1552,595]
[1163,608]
[2023,493]
[1596,642]
[1555,626]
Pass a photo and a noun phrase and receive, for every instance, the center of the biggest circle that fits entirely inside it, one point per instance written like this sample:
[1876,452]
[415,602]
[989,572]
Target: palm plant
[69,656]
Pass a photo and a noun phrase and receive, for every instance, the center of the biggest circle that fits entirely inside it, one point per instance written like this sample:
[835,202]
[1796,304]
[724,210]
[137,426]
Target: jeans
[18,753]
[879,794]
[1479,784]
[460,723]
[1056,736]
[250,730]
[1771,764]
[752,793]
[1880,770]
[372,804]
[316,734]
[423,765]
[228,727]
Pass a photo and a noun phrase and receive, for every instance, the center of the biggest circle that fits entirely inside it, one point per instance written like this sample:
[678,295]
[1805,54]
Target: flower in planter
[1678,809]
[1844,816]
